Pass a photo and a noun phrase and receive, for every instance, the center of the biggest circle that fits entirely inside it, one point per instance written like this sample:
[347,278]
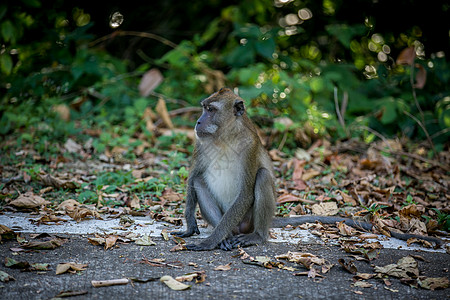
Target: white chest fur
[223,180]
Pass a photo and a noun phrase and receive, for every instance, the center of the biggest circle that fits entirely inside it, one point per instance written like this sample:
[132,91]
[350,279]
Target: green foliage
[303,60]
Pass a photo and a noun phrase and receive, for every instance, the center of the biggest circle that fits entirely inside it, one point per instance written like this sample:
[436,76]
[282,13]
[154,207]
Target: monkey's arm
[189,212]
[298,220]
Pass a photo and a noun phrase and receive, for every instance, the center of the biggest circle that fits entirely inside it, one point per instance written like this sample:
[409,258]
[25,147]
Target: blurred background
[307,69]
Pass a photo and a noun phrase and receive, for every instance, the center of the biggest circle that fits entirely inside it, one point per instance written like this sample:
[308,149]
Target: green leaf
[265,47]
[6,63]
[389,112]
[8,32]
[345,33]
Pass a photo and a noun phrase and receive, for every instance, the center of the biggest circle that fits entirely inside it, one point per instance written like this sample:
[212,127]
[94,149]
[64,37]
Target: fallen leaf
[150,80]
[226,267]
[81,213]
[14,264]
[49,180]
[5,277]
[165,234]
[110,241]
[65,267]
[29,200]
[7,233]
[346,230]
[45,245]
[199,277]
[362,284]
[431,283]
[348,266]
[145,240]
[406,267]
[161,109]
[303,258]
[39,266]
[173,284]
[325,209]
[178,247]
[97,241]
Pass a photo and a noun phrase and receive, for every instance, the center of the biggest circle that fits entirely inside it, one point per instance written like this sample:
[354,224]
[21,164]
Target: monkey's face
[220,110]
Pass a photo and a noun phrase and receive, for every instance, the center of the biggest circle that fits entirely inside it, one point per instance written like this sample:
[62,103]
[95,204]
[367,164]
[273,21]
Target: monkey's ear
[239,108]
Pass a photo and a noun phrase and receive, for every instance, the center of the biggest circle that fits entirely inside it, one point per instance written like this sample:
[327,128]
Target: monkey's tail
[299,220]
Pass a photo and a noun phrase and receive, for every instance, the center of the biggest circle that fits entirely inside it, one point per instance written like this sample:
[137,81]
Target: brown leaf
[325,209]
[226,267]
[46,245]
[150,81]
[63,111]
[29,200]
[431,283]
[347,198]
[81,213]
[173,284]
[346,230]
[348,266]
[49,180]
[110,241]
[161,109]
[421,77]
[134,203]
[406,267]
[407,56]
[67,267]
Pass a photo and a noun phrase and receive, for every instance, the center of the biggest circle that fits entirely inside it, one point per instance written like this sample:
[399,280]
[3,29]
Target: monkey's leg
[189,212]
[262,210]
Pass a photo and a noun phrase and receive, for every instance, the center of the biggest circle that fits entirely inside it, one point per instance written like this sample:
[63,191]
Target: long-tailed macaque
[231,179]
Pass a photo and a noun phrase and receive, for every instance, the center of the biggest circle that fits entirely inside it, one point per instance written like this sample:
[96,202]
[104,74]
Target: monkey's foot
[245,240]
[186,233]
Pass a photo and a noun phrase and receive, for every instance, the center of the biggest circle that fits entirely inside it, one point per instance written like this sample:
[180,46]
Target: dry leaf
[65,267]
[348,266]
[226,267]
[325,209]
[63,111]
[145,240]
[46,245]
[173,284]
[49,180]
[150,81]
[346,230]
[161,109]
[110,241]
[406,267]
[81,213]
[134,203]
[421,77]
[29,200]
[5,277]
[430,283]
[407,56]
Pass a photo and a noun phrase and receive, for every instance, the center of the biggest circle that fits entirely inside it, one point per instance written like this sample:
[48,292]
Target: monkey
[231,179]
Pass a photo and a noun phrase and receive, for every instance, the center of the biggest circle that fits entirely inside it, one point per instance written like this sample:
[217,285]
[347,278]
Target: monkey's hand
[189,231]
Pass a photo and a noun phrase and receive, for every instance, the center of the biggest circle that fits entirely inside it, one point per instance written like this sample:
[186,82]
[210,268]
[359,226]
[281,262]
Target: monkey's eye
[209,108]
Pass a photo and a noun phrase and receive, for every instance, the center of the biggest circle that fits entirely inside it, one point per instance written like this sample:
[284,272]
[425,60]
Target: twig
[379,135]
[283,141]
[338,111]
[415,156]
[424,130]
[134,33]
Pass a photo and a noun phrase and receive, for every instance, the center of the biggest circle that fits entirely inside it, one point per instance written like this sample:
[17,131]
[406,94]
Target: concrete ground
[241,281]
